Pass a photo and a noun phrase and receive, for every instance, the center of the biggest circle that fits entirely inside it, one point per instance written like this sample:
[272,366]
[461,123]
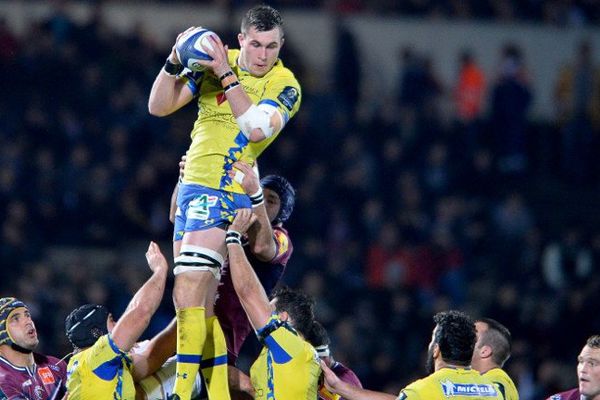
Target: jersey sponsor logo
[467,389]
[46,375]
[288,97]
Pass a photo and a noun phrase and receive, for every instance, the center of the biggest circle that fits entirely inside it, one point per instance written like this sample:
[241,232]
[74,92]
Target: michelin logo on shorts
[467,389]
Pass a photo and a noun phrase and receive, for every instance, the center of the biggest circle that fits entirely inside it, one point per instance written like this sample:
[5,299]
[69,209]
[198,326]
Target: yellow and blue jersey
[505,384]
[216,138]
[287,367]
[451,383]
[100,372]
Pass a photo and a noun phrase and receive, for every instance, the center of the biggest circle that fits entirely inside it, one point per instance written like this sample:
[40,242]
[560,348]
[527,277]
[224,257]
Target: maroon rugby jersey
[228,308]
[346,375]
[572,394]
[46,380]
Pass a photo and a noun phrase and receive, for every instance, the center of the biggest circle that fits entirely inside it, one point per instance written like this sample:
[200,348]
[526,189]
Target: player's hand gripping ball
[190,48]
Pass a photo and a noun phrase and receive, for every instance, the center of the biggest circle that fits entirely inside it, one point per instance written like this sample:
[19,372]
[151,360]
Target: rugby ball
[191,47]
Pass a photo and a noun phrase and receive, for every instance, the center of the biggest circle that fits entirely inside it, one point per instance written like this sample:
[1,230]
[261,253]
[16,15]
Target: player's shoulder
[280,231]
[280,71]
[499,374]
[232,56]
[54,363]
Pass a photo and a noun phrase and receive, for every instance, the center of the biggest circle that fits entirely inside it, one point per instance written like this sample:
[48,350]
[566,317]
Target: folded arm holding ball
[244,99]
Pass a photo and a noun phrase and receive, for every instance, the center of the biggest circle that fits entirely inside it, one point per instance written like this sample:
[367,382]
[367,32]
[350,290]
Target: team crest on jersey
[288,97]
[556,397]
[39,392]
[451,389]
[46,375]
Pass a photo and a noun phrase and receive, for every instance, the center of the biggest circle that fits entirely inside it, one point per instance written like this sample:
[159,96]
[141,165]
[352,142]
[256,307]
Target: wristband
[233,237]
[225,75]
[231,86]
[172,69]
[257,198]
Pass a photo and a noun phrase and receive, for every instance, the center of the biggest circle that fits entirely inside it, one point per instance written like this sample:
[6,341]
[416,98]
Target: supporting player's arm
[160,348]
[169,92]
[142,306]
[173,205]
[257,122]
[245,282]
[260,234]
[348,391]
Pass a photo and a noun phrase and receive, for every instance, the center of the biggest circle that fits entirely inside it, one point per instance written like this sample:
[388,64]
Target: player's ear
[436,351]
[284,316]
[240,38]
[485,351]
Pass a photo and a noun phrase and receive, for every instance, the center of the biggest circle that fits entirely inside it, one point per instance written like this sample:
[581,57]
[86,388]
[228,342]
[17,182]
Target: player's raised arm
[142,306]
[169,91]
[247,286]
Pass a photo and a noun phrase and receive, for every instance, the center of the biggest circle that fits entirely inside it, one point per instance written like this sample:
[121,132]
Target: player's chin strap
[20,349]
[196,258]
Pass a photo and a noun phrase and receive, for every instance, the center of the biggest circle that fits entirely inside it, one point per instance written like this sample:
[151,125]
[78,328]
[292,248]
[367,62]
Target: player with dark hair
[448,360]
[319,338]
[101,367]
[588,373]
[287,367]
[492,350]
[245,97]
[25,374]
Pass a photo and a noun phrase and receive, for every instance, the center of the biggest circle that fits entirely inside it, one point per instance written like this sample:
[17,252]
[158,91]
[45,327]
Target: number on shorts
[200,207]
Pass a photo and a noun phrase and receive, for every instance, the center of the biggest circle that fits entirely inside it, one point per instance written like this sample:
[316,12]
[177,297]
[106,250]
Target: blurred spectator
[469,92]
[577,96]
[511,97]
[567,263]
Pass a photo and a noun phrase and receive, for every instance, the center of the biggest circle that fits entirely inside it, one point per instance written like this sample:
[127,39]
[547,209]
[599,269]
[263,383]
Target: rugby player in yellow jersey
[245,97]
[449,359]
[492,349]
[287,367]
[101,367]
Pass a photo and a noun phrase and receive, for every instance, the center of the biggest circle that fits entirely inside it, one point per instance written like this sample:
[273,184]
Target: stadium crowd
[398,216]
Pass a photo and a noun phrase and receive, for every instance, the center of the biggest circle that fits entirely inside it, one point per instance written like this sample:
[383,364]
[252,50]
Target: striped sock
[191,335]
[214,361]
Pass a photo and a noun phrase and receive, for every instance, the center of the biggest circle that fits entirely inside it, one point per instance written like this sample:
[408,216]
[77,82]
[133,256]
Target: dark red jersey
[572,394]
[45,380]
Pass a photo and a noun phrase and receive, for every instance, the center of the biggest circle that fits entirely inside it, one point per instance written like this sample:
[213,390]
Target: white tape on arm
[257,117]
[239,176]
